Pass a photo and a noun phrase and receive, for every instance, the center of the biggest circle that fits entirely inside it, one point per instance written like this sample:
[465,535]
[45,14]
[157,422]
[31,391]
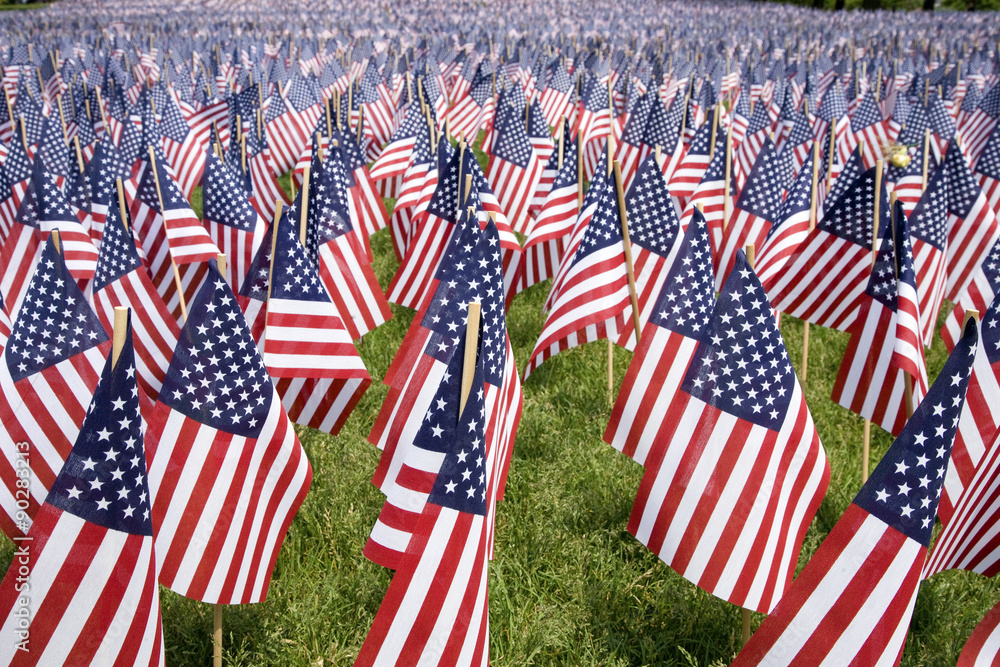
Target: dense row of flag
[630,168]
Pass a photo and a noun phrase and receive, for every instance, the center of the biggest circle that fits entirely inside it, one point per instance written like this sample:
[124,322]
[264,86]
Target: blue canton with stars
[989,160]
[851,171]
[741,365]
[652,216]
[605,228]
[471,271]
[44,201]
[329,215]
[765,186]
[963,189]
[853,216]
[867,114]
[892,267]
[118,255]
[104,478]
[929,221]
[255,284]
[444,201]
[55,321]
[662,126]
[461,481]
[512,143]
[216,375]
[687,297]
[991,331]
[224,199]
[799,196]
[294,274]
[905,487]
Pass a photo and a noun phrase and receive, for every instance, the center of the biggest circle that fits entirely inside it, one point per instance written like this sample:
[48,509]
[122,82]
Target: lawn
[569,585]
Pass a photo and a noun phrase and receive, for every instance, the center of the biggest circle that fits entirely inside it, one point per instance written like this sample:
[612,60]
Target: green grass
[569,585]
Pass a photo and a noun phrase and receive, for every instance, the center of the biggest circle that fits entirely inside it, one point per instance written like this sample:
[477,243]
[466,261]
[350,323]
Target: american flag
[983,645]
[470,113]
[973,456]
[398,153]
[797,138]
[824,281]
[547,233]
[972,225]
[421,365]
[759,131]
[94,597]
[682,312]
[412,281]
[631,148]
[980,125]
[790,228]
[263,179]
[233,222]
[339,250]
[183,147]
[102,170]
[43,210]
[757,209]
[368,206]
[885,340]
[988,171]
[46,386]
[555,99]
[227,472]
[853,601]
[593,124]
[544,148]
[654,229]
[929,235]
[908,182]
[377,104]
[692,168]
[737,471]
[550,171]
[121,280]
[593,291]
[941,121]
[52,148]
[436,608]
[846,176]
[871,129]
[514,167]
[711,194]
[833,110]
[307,348]
[173,235]
[420,176]
[292,119]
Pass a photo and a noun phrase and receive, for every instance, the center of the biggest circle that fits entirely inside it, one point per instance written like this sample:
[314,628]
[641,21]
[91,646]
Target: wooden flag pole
[812,225]
[878,197]
[629,270]
[927,150]
[471,347]
[79,154]
[729,174]
[579,174]
[751,252]
[121,202]
[304,211]
[829,164]
[118,337]
[562,142]
[278,207]
[867,437]
[715,130]
[173,264]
